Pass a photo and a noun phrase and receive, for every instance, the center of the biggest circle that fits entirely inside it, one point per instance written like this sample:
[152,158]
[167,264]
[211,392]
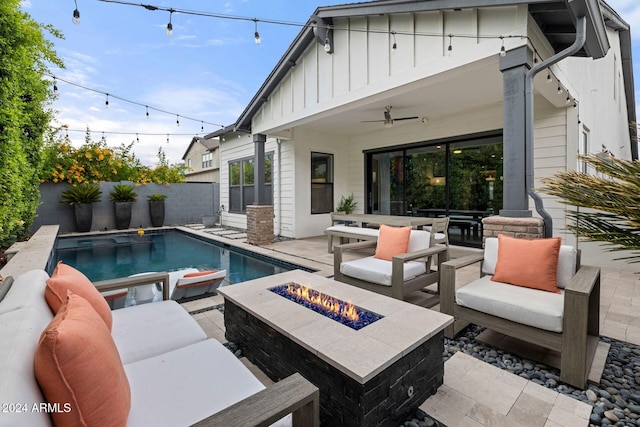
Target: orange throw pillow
[66,278]
[392,241]
[528,263]
[78,367]
[200,273]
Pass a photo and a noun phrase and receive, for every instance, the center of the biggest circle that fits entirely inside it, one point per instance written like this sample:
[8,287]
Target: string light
[178,120]
[202,126]
[137,139]
[568,98]
[106,132]
[147,107]
[394,47]
[256,35]
[106,103]
[549,80]
[170,25]
[55,86]
[559,90]
[76,14]
[167,138]
[327,44]
[450,48]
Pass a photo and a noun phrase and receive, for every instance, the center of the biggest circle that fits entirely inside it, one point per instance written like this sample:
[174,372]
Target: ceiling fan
[388,120]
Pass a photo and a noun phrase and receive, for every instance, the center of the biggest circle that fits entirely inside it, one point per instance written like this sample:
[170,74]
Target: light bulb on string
[137,139]
[106,102]
[568,98]
[55,86]
[549,80]
[202,126]
[327,45]
[256,34]
[104,139]
[559,90]
[178,120]
[394,46]
[147,114]
[76,14]
[170,25]
[503,50]
[450,48]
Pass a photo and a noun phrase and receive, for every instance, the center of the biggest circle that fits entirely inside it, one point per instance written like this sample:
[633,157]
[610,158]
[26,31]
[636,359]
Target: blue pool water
[107,256]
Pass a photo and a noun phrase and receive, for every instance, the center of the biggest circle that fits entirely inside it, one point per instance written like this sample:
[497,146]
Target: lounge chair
[405,272]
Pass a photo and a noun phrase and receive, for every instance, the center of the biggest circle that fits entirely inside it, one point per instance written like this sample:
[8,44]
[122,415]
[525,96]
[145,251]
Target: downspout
[279,144]
[581,37]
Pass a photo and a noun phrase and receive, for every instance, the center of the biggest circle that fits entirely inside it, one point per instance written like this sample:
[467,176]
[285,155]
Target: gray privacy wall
[185,204]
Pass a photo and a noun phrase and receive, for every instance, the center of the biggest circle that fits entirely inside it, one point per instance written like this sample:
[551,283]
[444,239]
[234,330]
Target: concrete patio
[474,393]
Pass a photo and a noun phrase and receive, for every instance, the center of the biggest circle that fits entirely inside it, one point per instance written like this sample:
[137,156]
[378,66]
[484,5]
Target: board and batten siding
[364,65]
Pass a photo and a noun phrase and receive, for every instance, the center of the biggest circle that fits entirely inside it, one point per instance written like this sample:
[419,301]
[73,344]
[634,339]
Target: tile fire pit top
[359,354]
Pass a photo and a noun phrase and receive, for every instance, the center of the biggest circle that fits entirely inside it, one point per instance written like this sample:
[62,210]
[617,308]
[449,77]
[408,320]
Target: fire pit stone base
[384,400]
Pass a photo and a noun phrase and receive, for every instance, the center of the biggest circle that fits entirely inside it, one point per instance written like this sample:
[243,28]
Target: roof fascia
[407,6]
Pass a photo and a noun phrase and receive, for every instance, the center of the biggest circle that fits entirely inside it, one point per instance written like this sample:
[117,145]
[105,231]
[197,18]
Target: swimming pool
[108,256]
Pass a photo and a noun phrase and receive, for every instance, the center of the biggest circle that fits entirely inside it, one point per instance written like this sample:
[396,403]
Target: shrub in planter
[156,208]
[123,196]
[82,197]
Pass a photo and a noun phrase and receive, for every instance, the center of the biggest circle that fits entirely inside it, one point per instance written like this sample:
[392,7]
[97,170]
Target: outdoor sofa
[175,375]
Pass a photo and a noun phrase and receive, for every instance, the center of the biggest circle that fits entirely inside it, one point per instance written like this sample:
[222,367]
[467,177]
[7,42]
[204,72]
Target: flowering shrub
[95,161]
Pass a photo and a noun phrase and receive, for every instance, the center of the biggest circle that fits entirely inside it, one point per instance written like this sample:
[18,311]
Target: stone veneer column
[259,224]
[521,228]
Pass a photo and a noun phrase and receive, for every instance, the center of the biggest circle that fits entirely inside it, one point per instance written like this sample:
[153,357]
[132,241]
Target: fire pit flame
[329,303]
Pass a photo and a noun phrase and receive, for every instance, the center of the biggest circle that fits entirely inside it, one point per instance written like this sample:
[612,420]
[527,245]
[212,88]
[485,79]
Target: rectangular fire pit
[376,375]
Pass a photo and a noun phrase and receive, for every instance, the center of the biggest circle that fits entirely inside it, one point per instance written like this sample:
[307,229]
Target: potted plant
[347,204]
[156,208]
[123,197]
[82,197]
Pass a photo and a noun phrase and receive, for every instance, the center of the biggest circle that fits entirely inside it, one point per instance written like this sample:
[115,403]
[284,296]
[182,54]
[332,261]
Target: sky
[208,69]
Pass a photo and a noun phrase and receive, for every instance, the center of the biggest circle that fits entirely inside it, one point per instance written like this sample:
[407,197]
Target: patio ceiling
[467,88]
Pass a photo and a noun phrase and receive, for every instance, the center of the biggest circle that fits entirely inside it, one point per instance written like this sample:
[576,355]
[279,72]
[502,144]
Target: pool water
[108,256]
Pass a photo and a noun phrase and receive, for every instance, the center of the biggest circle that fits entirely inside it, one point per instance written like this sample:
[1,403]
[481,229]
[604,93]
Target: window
[207,160]
[241,180]
[189,163]
[321,183]
[583,149]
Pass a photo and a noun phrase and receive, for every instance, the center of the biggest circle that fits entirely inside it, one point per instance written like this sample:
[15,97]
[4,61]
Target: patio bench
[175,375]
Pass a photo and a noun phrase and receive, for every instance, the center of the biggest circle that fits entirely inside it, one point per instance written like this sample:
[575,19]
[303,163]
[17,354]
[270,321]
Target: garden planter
[156,212]
[123,214]
[209,221]
[84,216]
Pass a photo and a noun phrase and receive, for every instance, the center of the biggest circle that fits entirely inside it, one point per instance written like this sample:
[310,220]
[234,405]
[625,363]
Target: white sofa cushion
[567,261]
[147,330]
[378,271]
[27,291]
[183,386]
[542,310]
[20,331]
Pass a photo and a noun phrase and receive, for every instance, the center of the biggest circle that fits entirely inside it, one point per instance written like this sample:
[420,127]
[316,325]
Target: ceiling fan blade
[405,118]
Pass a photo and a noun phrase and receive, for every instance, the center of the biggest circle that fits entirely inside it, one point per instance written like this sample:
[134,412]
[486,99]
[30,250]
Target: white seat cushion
[540,309]
[373,232]
[378,271]
[183,386]
[147,330]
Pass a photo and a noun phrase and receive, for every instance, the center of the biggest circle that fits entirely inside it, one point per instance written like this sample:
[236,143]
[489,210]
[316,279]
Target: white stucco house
[432,107]
[202,159]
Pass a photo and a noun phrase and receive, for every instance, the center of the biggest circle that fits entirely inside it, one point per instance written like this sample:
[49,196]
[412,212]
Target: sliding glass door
[459,178]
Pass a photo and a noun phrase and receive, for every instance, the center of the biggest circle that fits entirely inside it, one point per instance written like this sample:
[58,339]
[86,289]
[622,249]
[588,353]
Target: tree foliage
[612,197]
[24,114]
